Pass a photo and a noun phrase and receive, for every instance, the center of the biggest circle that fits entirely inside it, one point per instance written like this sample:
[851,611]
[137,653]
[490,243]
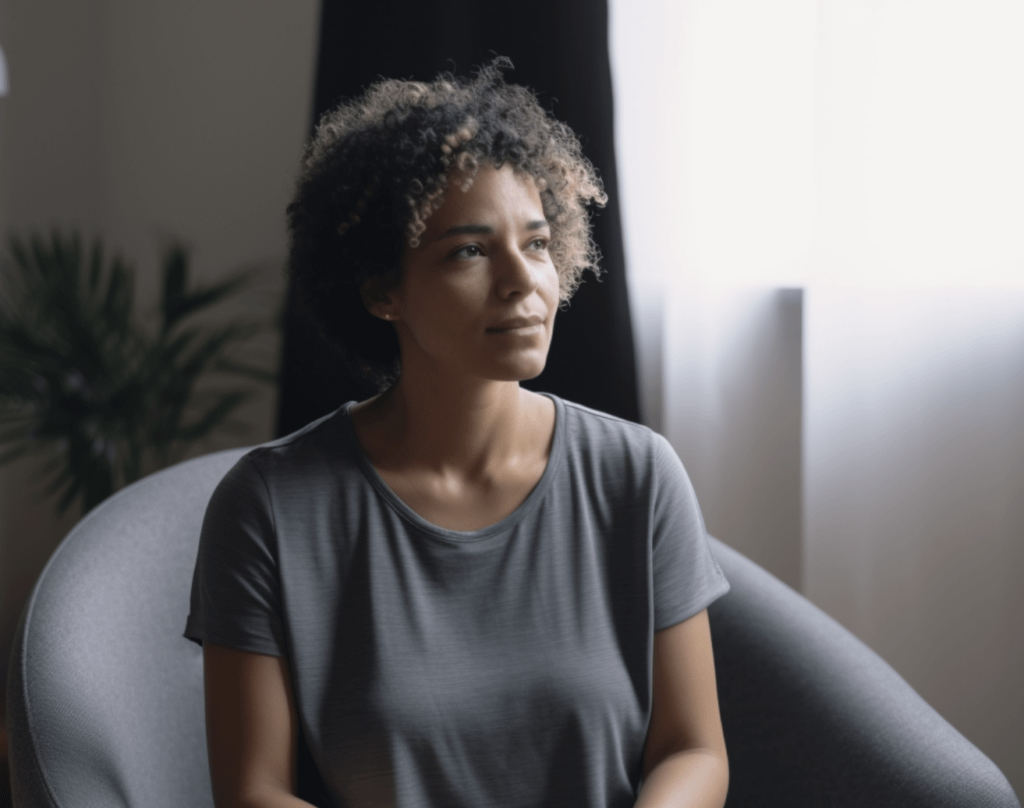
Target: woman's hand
[685,762]
[250,729]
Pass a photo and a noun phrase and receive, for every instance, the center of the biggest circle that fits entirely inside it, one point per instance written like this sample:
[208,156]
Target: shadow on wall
[733,411]
[915,492]
[866,446]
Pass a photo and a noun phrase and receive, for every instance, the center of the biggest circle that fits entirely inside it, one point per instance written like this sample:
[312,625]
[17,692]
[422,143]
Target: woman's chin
[516,371]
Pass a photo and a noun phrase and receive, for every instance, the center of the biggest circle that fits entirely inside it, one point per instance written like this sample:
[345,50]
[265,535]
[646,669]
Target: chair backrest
[813,717]
[105,698]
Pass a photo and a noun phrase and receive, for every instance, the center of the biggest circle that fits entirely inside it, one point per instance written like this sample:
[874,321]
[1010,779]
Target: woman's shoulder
[616,446]
[594,430]
[303,453]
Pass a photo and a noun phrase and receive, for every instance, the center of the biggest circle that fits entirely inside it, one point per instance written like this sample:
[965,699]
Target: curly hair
[378,166]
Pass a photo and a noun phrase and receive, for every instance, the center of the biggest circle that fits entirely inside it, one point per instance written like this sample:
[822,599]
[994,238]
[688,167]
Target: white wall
[732,392]
[140,122]
[914,493]
[813,143]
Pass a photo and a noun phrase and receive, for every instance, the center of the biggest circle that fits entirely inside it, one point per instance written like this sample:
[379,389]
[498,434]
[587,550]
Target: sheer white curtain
[823,206]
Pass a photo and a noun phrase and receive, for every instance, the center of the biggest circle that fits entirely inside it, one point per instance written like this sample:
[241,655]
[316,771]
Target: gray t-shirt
[508,666]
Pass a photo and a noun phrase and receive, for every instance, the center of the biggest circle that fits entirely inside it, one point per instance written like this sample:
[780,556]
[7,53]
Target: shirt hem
[266,646]
[688,610]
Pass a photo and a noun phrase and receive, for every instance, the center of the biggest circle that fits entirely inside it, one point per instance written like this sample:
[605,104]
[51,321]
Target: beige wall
[141,122]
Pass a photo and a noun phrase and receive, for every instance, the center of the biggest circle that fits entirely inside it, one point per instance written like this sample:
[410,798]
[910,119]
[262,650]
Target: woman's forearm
[696,778]
[268,798]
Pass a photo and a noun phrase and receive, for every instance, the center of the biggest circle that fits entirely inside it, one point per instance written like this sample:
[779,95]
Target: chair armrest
[813,717]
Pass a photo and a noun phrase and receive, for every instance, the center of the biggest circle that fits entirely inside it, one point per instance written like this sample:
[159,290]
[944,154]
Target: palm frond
[241,369]
[81,374]
[178,302]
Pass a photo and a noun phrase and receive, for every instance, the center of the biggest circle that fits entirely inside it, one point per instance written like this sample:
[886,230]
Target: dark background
[560,50]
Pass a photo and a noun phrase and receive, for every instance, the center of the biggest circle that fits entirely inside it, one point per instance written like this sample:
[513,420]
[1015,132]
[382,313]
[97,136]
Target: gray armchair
[105,698]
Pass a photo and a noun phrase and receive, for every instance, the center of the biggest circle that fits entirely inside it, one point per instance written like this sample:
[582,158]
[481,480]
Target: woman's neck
[468,428]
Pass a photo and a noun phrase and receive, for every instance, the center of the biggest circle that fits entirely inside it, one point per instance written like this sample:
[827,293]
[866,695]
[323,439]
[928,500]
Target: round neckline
[525,507]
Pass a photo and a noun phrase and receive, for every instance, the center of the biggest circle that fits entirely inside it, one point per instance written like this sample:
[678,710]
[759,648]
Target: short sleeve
[687,579]
[236,599]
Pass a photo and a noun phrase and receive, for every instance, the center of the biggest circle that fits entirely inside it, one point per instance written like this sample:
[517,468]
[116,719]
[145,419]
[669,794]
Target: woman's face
[478,296]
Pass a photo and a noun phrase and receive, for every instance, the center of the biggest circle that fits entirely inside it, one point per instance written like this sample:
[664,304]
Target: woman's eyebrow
[467,229]
[486,230]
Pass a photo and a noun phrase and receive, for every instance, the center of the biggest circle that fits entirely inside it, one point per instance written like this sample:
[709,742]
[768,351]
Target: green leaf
[95,267]
[203,298]
[12,454]
[175,271]
[116,309]
[212,417]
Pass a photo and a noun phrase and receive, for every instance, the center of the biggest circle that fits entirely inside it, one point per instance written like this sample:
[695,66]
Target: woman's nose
[516,274]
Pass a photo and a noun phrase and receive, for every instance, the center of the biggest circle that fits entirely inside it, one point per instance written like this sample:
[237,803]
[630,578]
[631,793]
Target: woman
[460,592]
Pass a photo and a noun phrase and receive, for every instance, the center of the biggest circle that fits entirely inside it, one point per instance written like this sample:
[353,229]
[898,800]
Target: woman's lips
[519,326]
[520,331]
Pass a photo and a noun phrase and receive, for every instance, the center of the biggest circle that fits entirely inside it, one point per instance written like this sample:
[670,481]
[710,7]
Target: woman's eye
[539,244]
[469,251]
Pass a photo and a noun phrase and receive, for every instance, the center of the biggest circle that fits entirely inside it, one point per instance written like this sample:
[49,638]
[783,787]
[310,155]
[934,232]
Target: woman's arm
[250,729]
[684,761]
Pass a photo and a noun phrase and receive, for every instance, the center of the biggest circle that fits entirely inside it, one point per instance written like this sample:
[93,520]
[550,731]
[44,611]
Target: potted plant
[111,395]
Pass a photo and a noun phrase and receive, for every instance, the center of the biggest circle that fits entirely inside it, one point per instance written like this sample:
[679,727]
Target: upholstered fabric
[105,700]
[105,704]
[813,717]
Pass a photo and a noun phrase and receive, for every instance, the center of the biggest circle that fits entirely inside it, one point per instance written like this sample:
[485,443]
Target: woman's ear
[377,300]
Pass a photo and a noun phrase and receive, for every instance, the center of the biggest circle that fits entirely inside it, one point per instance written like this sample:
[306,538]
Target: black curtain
[559,49]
